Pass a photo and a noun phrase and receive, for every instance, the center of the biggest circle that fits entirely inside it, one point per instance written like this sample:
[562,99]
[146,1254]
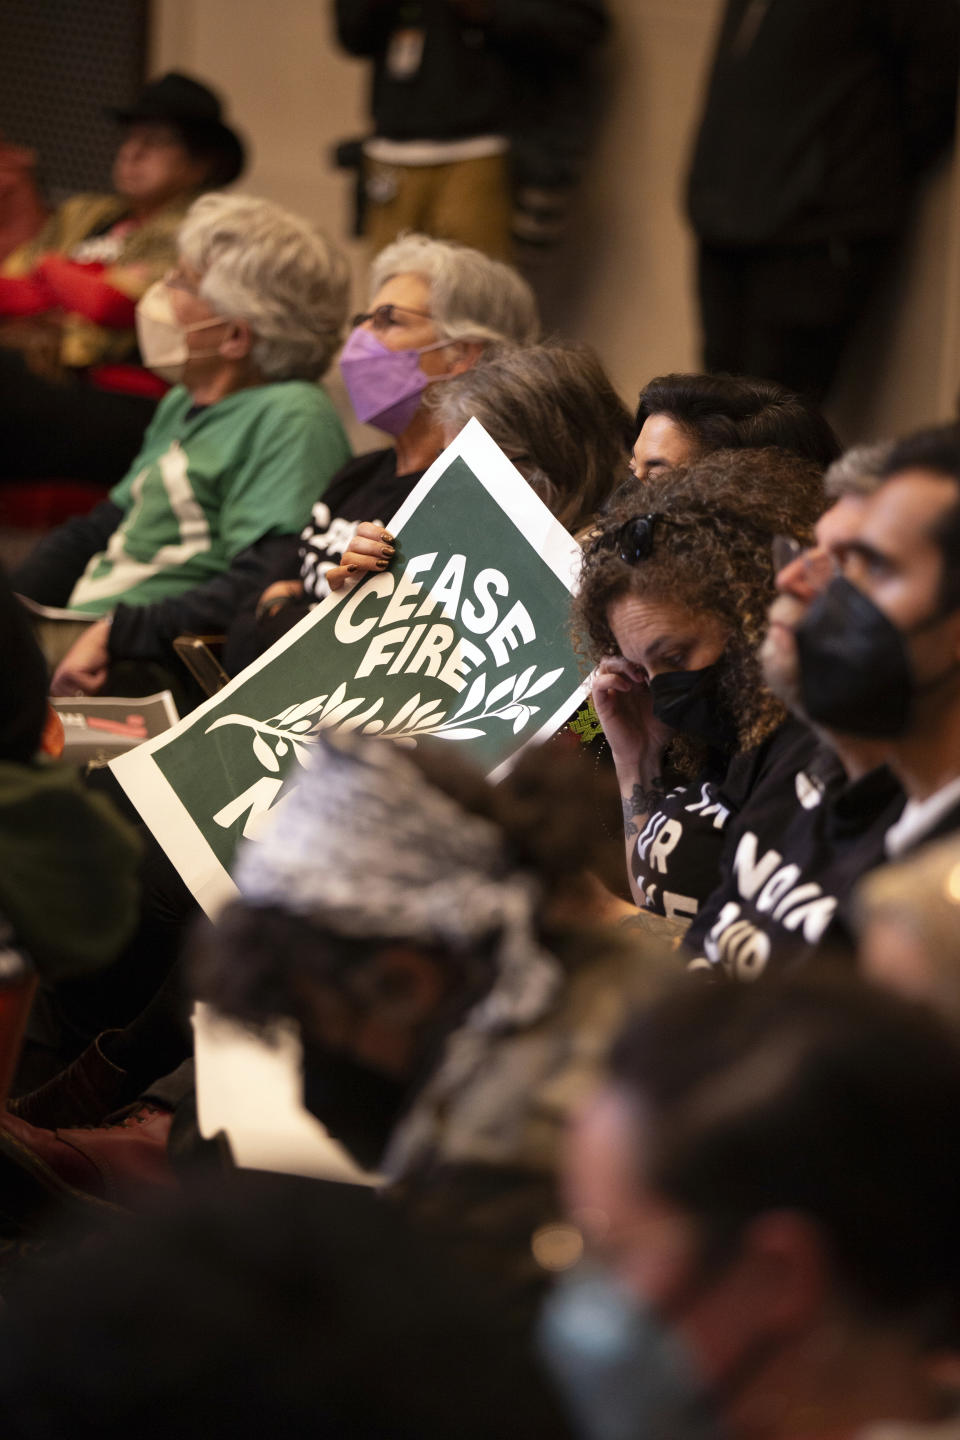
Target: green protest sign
[463,639]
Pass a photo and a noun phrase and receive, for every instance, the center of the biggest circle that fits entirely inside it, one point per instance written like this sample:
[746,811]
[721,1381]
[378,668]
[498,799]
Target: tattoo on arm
[641,802]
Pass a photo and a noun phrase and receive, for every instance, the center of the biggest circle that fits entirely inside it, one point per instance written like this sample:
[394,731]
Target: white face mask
[163,340]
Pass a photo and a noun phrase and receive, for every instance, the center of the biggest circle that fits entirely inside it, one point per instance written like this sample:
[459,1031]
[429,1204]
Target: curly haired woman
[672,610]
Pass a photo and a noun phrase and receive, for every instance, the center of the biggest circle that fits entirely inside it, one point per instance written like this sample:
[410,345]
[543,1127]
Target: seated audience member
[879,647]
[672,609]
[681,418]
[74,400]
[553,411]
[435,308]
[68,886]
[234,458]
[907,917]
[790,865]
[767,1187]
[450,971]
[264,1305]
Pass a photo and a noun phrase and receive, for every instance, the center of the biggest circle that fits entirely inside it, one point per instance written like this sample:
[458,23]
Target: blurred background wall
[622,280]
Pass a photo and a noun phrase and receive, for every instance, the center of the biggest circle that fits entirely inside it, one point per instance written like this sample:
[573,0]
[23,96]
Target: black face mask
[691,702]
[356,1104]
[855,669]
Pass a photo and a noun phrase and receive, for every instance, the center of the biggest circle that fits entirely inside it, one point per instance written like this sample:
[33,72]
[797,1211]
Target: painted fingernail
[350,569]
[387,538]
[387,549]
[382,564]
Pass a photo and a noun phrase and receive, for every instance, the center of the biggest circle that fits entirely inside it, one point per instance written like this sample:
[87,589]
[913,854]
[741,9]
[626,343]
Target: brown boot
[110,1161]
[89,1089]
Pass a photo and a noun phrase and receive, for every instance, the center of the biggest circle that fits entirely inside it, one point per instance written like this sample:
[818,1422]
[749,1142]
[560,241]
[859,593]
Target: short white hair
[269,267]
[471,296]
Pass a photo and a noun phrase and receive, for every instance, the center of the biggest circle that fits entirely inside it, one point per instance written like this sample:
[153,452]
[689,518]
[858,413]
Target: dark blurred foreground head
[770,1181]
[266,1306]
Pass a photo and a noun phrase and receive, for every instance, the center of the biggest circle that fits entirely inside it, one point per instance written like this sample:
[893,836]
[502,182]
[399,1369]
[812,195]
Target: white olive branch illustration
[298,726]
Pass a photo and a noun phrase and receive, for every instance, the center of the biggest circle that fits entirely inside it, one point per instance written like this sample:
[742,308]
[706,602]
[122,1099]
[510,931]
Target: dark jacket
[473,79]
[819,115]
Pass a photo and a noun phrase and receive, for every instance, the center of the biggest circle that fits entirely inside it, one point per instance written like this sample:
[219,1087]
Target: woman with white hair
[435,308]
[235,456]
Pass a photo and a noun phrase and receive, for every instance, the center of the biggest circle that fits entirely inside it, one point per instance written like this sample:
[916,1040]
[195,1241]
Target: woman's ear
[239,341]
[466,353]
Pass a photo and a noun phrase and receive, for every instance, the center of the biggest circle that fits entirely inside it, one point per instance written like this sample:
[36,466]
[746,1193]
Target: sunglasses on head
[633,540]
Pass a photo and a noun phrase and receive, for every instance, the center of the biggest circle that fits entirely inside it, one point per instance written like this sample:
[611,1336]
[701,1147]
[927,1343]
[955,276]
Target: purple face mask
[384,385]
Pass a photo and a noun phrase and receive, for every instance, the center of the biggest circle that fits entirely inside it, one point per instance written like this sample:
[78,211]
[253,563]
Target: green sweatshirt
[68,869]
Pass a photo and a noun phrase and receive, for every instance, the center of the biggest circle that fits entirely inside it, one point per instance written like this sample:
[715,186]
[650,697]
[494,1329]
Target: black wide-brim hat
[179,100]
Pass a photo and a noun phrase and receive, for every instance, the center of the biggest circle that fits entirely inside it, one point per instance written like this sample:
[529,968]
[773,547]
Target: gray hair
[857,471]
[554,412]
[471,296]
[271,268]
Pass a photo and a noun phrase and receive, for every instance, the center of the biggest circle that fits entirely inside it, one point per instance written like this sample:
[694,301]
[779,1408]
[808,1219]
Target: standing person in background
[819,117]
[74,400]
[450,80]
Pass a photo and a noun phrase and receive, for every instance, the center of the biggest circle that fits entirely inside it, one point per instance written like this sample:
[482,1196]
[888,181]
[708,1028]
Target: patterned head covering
[366,847]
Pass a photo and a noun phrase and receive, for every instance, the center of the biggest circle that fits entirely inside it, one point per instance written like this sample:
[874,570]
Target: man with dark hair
[879,649]
[771,1183]
[790,864]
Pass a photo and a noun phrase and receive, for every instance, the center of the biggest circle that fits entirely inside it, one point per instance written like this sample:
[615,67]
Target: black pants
[66,431]
[785,312]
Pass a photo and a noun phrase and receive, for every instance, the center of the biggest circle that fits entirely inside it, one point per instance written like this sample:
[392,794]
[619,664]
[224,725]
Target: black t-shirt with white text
[790,861]
[677,856]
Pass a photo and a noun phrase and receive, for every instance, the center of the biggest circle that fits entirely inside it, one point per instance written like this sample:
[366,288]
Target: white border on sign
[155,798]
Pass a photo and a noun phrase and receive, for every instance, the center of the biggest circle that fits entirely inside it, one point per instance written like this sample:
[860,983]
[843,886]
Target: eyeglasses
[633,540]
[784,551]
[818,564]
[385,315]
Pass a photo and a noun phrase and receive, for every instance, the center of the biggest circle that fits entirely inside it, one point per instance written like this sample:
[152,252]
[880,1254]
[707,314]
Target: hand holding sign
[370,549]
[461,639]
